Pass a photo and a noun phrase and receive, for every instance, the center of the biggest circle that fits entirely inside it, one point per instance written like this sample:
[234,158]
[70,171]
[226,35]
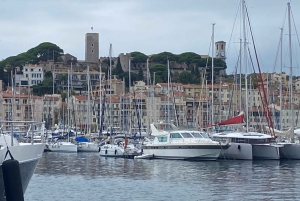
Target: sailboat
[88,145]
[290,150]
[117,147]
[260,145]
[59,145]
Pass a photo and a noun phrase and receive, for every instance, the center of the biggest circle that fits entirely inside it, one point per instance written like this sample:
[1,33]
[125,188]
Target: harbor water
[87,176]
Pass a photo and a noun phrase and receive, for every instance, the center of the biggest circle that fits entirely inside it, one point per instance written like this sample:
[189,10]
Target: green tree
[140,74]
[161,72]
[175,77]
[134,77]
[162,58]
[189,58]
[185,77]
[44,52]
[48,74]
[138,57]
[118,70]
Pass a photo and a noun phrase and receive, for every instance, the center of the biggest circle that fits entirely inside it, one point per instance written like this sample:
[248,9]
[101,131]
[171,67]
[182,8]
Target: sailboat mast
[88,101]
[212,74]
[291,73]
[110,107]
[168,93]
[68,107]
[100,96]
[245,65]
[240,84]
[280,88]
[129,84]
[12,108]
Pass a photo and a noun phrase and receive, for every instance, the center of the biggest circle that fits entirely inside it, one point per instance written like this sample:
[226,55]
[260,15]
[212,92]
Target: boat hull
[237,151]
[184,152]
[266,151]
[88,147]
[28,156]
[66,147]
[290,151]
[112,151]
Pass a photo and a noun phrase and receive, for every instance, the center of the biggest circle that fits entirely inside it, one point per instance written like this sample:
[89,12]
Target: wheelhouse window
[186,135]
[175,135]
[199,135]
[162,139]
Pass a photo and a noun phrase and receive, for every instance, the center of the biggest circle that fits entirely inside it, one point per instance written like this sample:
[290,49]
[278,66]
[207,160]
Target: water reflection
[178,180]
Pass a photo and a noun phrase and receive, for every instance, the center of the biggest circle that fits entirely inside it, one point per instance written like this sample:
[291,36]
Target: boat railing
[29,133]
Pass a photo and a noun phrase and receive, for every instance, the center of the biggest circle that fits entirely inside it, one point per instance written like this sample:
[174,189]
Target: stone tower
[92,47]
[221,54]
[221,50]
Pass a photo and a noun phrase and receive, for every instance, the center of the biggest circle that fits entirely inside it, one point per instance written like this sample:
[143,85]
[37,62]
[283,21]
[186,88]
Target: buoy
[12,180]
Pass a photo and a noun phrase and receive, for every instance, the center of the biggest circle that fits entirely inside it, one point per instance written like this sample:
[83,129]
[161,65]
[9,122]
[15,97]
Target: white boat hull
[183,152]
[266,151]
[67,147]
[237,151]
[28,156]
[112,151]
[290,151]
[88,147]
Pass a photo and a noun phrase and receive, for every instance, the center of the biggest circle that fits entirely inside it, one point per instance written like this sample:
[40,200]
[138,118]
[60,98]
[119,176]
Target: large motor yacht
[182,145]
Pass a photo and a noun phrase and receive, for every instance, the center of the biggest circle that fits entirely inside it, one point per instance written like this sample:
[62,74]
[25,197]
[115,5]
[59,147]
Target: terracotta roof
[81,97]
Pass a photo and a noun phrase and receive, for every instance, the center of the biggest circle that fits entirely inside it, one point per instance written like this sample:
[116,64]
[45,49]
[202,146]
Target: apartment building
[31,75]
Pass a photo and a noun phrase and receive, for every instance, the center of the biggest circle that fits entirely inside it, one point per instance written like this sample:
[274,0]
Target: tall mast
[12,108]
[100,99]
[110,107]
[212,74]
[240,84]
[291,73]
[245,65]
[129,84]
[68,108]
[280,88]
[168,93]
[89,101]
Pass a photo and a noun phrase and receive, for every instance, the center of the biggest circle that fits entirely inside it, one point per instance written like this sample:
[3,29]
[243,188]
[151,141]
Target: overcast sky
[148,26]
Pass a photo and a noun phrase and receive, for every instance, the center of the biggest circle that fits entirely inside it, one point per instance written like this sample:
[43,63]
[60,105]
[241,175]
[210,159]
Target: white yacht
[28,154]
[182,145]
[61,146]
[119,149]
[84,144]
[88,147]
[248,145]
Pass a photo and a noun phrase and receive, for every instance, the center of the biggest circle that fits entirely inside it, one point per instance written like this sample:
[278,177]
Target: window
[162,139]
[186,135]
[175,135]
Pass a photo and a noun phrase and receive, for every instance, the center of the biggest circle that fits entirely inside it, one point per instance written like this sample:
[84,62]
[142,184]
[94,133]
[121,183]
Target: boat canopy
[81,139]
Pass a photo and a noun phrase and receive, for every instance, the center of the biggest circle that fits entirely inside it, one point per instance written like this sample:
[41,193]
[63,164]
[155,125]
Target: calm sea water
[87,176]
